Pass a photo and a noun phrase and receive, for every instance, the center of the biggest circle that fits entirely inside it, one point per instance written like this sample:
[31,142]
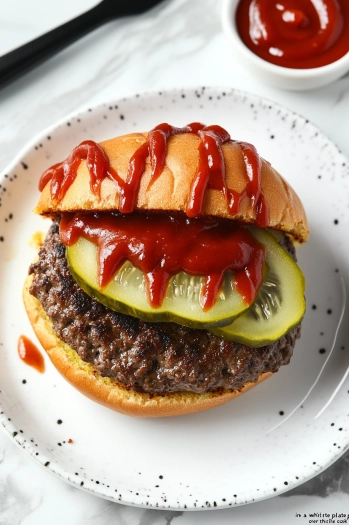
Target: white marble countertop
[179,44]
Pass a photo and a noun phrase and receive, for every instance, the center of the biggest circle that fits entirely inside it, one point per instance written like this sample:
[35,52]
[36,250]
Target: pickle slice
[126,292]
[280,304]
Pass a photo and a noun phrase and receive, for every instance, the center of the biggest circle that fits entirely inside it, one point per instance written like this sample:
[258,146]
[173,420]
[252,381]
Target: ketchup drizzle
[162,245]
[210,173]
[63,174]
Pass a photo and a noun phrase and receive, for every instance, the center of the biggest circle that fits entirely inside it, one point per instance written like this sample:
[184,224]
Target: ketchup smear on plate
[30,354]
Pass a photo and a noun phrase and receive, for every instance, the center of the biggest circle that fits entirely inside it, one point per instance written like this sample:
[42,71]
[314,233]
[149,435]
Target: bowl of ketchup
[293,44]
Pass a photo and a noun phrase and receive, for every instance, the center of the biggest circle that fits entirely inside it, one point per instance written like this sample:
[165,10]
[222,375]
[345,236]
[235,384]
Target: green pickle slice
[126,292]
[280,304]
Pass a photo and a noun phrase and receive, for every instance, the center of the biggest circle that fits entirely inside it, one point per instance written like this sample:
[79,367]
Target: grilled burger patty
[146,357]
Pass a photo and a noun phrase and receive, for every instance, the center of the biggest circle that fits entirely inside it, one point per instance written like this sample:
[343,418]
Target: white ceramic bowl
[282,77]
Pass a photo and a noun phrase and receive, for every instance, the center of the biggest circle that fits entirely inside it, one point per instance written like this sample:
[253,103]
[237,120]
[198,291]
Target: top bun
[170,191]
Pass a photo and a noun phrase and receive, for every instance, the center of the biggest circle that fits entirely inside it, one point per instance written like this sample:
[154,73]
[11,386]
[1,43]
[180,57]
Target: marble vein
[332,480]
[18,500]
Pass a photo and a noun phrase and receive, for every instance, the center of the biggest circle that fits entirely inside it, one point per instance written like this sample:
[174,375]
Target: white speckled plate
[274,437]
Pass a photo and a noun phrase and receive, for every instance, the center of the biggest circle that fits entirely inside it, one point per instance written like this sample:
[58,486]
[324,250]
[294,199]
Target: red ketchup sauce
[210,173]
[62,175]
[30,354]
[295,33]
[162,245]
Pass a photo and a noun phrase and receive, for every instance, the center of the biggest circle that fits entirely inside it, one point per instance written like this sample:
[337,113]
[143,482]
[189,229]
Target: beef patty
[146,357]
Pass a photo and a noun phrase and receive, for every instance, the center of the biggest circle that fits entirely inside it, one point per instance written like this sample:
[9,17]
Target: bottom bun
[109,392]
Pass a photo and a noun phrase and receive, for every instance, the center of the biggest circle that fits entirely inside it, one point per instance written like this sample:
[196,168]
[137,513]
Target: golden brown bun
[108,392]
[171,190]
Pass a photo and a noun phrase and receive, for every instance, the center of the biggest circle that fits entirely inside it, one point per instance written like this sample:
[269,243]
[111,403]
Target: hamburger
[167,283]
